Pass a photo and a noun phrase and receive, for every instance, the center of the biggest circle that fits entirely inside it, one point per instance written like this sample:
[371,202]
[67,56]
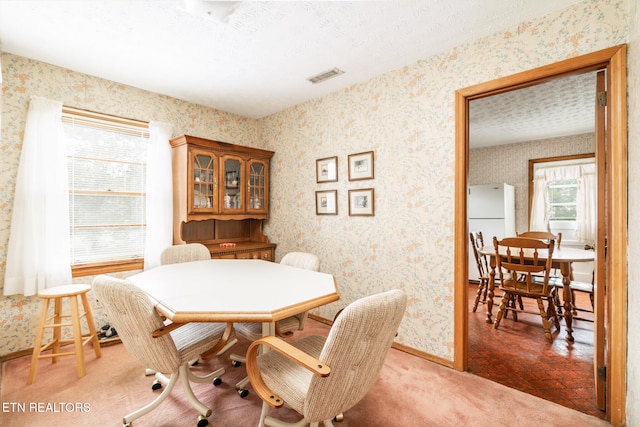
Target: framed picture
[327,202]
[327,169]
[361,202]
[361,166]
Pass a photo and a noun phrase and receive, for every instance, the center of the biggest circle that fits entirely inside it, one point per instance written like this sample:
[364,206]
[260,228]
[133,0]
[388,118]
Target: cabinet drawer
[265,255]
[223,256]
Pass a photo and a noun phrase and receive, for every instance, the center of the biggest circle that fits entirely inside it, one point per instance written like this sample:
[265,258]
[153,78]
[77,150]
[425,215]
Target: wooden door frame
[614,60]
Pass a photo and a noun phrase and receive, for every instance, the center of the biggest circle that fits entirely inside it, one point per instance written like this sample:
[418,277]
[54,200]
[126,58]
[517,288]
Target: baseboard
[16,355]
[28,352]
[409,350]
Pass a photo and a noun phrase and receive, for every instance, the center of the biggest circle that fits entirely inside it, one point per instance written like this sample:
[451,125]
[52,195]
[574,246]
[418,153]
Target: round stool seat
[64,291]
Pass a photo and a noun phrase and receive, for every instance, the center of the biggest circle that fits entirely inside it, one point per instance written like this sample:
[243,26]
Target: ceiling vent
[325,76]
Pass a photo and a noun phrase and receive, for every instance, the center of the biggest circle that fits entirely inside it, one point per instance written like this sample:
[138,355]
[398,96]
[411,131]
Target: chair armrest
[287,350]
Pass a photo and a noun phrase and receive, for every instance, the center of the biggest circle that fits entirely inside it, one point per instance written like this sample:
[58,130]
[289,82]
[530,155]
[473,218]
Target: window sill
[106,267]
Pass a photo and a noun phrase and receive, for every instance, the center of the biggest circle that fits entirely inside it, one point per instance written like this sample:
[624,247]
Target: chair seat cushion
[290,324]
[290,379]
[249,330]
[193,339]
[253,330]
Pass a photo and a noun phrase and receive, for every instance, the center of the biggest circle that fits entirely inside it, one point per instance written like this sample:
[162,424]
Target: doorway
[614,61]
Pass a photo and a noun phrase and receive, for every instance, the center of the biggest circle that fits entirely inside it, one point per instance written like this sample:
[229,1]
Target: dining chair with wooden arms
[187,253]
[252,331]
[184,253]
[322,377]
[135,318]
[526,260]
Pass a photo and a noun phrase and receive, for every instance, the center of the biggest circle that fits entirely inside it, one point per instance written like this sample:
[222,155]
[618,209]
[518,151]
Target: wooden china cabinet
[221,197]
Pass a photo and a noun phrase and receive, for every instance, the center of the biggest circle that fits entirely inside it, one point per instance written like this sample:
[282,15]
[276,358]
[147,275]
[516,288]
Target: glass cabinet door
[232,176]
[204,183]
[258,196]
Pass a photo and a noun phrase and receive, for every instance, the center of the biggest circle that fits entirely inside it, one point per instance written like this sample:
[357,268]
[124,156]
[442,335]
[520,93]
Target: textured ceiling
[249,58]
[562,107]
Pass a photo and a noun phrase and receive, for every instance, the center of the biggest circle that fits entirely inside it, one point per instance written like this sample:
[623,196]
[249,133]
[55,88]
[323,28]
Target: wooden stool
[57,294]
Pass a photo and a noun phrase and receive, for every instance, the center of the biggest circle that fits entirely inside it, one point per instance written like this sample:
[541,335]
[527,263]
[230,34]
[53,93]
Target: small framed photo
[361,202]
[327,202]
[361,166]
[327,169]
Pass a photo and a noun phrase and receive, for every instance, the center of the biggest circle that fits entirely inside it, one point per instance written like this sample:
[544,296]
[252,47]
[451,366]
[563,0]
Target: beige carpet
[410,392]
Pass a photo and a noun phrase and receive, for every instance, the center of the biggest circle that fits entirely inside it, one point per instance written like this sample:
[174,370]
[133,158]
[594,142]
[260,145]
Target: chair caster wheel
[202,422]
[217,381]
[339,418]
[157,385]
[243,393]
[235,363]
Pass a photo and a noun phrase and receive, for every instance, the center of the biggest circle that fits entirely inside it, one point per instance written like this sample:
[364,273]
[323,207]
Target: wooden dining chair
[543,235]
[526,260]
[555,277]
[482,263]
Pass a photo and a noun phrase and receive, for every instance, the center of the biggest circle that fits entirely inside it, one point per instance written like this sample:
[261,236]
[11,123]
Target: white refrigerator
[491,209]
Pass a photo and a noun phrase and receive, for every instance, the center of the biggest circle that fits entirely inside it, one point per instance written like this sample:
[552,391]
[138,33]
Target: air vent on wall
[325,76]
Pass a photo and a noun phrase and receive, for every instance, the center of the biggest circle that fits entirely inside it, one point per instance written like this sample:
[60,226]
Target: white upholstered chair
[285,327]
[135,318]
[184,253]
[187,253]
[321,377]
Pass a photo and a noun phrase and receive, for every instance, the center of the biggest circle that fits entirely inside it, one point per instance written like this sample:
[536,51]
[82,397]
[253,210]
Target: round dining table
[562,258]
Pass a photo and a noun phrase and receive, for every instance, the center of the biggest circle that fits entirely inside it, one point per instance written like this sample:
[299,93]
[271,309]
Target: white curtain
[159,199]
[38,251]
[586,204]
[586,209]
[539,218]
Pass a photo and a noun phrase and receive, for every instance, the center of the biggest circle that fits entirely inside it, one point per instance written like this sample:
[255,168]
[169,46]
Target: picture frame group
[361,201]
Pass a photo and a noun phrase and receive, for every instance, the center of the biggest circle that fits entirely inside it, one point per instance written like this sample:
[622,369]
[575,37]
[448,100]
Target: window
[107,165]
[562,199]
[562,196]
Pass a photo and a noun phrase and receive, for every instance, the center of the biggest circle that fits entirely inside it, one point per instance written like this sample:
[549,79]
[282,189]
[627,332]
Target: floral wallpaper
[21,78]
[513,161]
[405,116]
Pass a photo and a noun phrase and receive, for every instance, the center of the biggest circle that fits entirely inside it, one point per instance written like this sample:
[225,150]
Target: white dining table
[234,290]
[562,258]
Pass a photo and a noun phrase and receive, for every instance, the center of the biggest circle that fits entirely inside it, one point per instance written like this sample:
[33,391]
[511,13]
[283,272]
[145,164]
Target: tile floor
[518,355]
